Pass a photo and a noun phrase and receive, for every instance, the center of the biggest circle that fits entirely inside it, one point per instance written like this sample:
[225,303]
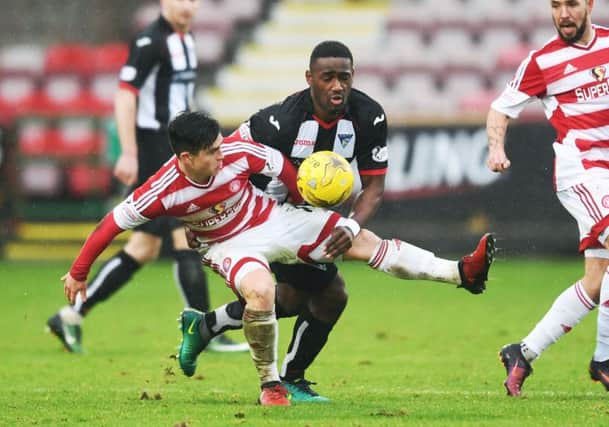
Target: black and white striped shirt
[161,70]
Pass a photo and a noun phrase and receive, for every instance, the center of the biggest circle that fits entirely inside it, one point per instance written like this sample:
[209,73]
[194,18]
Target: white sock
[406,261]
[70,316]
[601,353]
[261,331]
[568,309]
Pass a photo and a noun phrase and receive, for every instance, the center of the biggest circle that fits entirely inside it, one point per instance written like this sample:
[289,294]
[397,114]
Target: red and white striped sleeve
[527,84]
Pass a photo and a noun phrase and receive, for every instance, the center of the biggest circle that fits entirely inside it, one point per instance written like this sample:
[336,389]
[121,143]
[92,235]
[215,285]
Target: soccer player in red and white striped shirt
[206,185]
[569,74]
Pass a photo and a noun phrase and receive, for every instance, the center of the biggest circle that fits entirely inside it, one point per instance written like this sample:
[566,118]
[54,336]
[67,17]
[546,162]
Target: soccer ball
[325,179]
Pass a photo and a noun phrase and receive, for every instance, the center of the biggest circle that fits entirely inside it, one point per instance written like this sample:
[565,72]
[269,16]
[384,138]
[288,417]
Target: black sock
[229,316]
[308,338]
[109,278]
[191,279]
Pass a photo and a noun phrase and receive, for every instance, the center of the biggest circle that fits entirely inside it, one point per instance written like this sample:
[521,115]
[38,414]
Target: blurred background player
[156,83]
[569,75]
[329,115]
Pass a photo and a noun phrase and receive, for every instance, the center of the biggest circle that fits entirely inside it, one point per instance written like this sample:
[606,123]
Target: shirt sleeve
[526,85]
[275,165]
[372,154]
[95,244]
[144,55]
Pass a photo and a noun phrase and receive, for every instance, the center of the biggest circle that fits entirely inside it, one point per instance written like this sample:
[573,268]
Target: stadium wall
[439,193]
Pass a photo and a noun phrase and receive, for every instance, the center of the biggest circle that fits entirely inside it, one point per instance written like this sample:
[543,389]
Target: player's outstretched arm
[98,240]
[496,128]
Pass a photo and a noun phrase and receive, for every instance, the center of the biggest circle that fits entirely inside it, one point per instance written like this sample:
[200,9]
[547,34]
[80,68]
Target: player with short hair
[328,115]
[156,83]
[206,185]
[569,75]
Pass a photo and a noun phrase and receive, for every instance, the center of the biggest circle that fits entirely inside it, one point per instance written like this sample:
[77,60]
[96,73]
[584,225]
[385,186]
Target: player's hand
[72,287]
[497,160]
[126,168]
[191,239]
[339,243]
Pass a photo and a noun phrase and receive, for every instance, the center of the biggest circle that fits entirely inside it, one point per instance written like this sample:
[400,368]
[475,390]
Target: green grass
[404,353]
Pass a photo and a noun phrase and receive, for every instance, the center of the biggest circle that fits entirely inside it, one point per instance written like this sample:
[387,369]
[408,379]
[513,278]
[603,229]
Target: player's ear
[309,77]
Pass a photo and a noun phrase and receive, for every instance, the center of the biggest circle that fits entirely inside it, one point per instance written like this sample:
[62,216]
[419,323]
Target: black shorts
[153,150]
[305,277]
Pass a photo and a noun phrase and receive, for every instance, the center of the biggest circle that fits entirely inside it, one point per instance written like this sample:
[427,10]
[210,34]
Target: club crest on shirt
[345,138]
[605,201]
[226,264]
[234,186]
[599,73]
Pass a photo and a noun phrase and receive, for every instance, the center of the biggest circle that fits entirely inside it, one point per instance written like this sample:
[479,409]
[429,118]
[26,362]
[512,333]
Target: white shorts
[588,203]
[290,235]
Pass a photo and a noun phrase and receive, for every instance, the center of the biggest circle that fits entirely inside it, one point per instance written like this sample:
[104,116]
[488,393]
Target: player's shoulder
[237,144]
[149,37]
[292,108]
[281,120]
[601,31]
[365,109]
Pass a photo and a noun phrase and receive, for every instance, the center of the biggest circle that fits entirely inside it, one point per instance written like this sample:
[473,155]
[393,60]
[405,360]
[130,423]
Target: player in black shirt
[330,115]
[156,83]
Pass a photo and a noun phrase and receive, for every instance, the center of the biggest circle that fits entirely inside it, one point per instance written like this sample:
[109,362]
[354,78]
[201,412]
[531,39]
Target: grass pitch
[404,353]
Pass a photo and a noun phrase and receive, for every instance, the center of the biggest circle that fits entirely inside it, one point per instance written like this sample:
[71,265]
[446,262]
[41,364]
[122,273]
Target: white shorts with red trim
[290,235]
[588,203]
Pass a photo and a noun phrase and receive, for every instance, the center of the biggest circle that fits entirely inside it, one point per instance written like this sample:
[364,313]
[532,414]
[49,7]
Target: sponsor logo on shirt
[218,209]
[605,201]
[304,142]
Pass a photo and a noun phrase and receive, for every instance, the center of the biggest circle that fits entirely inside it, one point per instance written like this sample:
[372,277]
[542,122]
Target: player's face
[330,80]
[572,19]
[204,164]
[180,13]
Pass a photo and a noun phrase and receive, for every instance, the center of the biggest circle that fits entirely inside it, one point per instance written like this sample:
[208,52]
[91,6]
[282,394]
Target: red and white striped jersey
[223,207]
[572,83]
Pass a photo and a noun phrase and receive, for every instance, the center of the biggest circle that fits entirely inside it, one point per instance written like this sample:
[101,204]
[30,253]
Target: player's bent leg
[260,328]
[310,334]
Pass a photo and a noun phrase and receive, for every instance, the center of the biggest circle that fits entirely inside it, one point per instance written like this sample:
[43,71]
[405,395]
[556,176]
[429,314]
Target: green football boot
[192,343]
[69,335]
[301,392]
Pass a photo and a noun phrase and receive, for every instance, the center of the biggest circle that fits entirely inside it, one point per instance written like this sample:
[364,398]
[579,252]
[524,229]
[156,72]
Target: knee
[258,291]
[329,304]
